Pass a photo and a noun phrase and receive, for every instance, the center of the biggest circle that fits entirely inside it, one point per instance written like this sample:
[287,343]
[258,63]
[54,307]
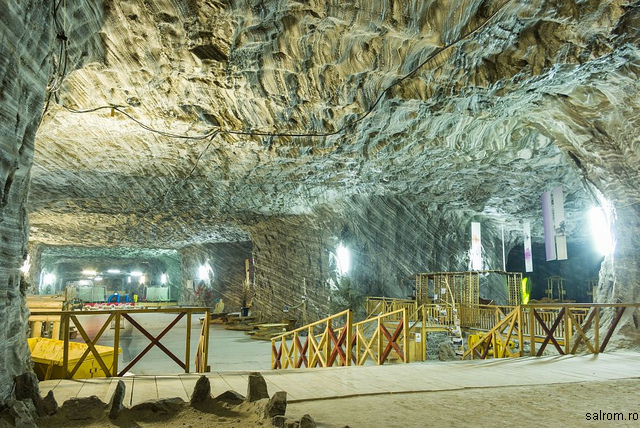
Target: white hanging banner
[528,258]
[475,254]
[547,221]
[558,223]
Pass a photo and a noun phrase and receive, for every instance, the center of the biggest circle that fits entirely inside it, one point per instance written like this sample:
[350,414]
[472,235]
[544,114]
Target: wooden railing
[115,319]
[319,344]
[381,338]
[496,341]
[568,327]
[383,305]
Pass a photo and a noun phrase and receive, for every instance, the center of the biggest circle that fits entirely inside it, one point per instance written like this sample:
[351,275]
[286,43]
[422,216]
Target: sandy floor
[546,405]
[564,405]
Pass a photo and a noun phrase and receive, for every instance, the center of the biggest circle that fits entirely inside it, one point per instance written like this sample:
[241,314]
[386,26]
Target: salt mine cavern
[319,213]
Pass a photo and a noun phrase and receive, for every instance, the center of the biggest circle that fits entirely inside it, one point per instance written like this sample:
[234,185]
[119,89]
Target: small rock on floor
[257,388]
[307,422]
[202,390]
[115,404]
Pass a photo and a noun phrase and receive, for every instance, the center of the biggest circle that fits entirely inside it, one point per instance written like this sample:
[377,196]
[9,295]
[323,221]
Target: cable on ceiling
[429,58]
[212,134]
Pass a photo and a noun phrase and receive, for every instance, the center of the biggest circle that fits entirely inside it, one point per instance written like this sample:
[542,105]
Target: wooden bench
[49,324]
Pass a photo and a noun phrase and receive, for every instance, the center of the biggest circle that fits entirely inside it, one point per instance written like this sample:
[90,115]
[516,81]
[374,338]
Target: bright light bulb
[136,273]
[344,259]
[49,279]
[114,271]
[163,278]
[601,231]
[89,272]
[26,265]
[203,272]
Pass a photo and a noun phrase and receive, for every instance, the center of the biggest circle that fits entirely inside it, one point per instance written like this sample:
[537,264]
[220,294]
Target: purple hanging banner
[547,221]
[528,258]
[558,223]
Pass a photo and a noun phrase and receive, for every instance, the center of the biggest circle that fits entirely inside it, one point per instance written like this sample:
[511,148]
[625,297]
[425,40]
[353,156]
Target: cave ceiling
[474,106]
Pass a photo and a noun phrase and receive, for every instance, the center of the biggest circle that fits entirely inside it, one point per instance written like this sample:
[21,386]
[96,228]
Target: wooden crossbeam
[549,332]
[155,341]
[504,342]
[302,351]
[337,346]
[582,336]
[612,327]
[487,345]
[354,344]
[392,341]
[288,354]
[317,348]
[277,352]
[91,347]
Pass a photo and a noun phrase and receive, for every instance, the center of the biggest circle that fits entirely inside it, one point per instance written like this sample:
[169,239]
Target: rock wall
[32,67]
[225,279]
[389,240]
[26,42]
[292,259]
[620,275]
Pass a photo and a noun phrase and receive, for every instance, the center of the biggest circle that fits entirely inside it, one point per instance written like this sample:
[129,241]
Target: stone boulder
[257,388]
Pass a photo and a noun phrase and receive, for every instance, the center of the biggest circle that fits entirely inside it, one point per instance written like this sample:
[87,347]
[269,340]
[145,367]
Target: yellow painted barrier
[47,354]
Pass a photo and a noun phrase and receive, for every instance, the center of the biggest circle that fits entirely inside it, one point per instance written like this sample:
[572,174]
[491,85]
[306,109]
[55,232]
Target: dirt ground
[564,405]
[611,403]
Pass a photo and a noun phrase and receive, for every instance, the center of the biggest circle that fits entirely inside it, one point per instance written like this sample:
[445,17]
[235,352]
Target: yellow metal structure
[47,354]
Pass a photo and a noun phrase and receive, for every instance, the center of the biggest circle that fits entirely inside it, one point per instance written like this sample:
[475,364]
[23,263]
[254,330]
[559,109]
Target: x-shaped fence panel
[327,348]
[570,328]
[114,316]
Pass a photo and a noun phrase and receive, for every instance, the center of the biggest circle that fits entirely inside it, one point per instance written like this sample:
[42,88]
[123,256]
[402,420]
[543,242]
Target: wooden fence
[568,327]
[381,338]
[115,318]
[324,343]
[375,306]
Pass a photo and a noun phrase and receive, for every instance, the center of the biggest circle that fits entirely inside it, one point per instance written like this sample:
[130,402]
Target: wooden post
[37,329]
[423,332]
[405,338]
[349,336]
[379,344]
[65,347]
[207,315]
[520,332]
[327,341]
[567,329]
[116,346]
[596,330]
[187,351]
[532,332]
[311,352]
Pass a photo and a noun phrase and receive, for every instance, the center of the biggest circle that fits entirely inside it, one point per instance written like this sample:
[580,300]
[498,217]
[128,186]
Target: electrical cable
[59,67]
[212,134]
[340,130]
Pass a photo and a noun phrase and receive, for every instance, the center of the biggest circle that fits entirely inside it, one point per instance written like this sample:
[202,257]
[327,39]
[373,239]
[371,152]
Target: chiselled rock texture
[388,125]
[26,39]
[225,274]
[472,128]
[30,70]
